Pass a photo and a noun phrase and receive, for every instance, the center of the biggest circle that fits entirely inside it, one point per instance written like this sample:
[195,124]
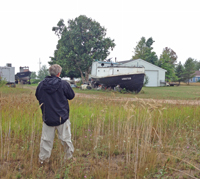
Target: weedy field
[112,139]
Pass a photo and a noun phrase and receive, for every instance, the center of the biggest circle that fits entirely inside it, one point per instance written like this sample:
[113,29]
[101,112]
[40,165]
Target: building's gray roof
[127,61]
[197,73]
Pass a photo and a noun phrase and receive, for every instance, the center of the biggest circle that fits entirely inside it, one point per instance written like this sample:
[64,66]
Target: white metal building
[7,73]
[155,74]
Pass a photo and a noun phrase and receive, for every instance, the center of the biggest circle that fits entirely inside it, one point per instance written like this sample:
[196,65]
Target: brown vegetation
[112,139]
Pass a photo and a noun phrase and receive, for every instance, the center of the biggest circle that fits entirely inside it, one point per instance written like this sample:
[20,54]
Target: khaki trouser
[48,133]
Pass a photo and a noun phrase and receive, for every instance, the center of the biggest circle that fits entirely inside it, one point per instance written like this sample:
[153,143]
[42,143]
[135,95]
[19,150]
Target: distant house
[196,77]
[155,74]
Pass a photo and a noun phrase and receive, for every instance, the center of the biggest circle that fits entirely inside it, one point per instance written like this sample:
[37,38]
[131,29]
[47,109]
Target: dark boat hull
[132,82]
[22,75]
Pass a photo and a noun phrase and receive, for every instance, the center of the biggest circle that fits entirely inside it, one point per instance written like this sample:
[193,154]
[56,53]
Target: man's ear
[58,75]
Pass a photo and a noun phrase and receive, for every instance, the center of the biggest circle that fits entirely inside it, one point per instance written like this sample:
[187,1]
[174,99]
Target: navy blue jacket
[53,94]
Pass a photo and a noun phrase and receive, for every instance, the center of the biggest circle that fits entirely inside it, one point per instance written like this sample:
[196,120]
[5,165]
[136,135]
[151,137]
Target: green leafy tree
[81,42]
[189,69]
[143,50]
[179,72]
[33,75]
[34,79]
[73,74]
[60,28]
[167,61]
[43,72]
[197,65]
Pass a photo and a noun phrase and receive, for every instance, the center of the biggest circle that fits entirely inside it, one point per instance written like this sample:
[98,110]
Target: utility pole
[39,64]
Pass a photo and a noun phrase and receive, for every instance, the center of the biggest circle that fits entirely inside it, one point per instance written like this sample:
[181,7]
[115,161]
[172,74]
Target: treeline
[168,61]
[83,40]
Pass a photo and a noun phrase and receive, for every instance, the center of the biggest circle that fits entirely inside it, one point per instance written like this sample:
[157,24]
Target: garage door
[153,78]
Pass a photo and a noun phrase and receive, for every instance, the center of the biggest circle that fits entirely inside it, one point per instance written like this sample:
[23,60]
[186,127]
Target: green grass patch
[174,93]
[184,92]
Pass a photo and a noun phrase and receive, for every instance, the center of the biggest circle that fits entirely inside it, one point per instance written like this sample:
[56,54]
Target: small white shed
[155,74]
[7,73]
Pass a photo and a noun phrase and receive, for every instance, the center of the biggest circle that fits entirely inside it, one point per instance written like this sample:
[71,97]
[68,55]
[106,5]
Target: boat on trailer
[112,74]
[24,76]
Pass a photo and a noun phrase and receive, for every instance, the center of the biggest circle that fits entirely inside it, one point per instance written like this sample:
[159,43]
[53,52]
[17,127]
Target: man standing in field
[53,95]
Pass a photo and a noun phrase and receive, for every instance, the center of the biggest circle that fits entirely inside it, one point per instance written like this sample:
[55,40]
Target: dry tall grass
[112,139]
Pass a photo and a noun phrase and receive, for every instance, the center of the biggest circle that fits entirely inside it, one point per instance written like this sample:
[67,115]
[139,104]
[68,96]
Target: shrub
[35,81]
[2,83]
[146,80]
[79,83]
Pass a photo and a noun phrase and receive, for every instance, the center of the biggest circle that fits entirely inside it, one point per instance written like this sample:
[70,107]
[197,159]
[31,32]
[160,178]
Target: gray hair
[55,69]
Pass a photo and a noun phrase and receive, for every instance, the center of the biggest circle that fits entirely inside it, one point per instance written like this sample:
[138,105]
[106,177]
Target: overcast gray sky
[26,27]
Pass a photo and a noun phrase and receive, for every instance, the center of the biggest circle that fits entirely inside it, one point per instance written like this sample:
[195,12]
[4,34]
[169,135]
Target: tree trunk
[84,79]
[82,76]
[86,76]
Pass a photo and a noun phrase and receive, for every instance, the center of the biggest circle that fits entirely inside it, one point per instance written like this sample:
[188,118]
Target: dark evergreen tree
[179,72]
[189,69]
